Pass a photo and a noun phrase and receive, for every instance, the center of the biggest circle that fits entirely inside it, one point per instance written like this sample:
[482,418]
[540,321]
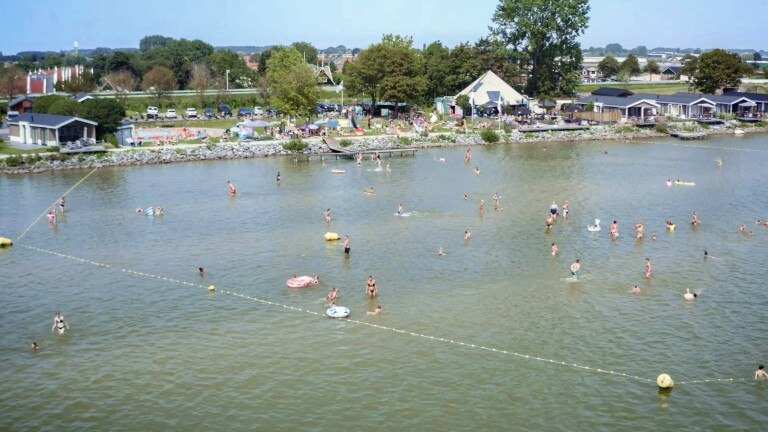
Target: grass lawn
[659,88]
[5,149]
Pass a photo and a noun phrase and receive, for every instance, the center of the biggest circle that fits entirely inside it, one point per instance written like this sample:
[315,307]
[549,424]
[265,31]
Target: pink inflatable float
[302,282]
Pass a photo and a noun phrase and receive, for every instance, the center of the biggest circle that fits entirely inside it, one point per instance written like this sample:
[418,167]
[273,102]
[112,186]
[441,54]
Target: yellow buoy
[331,236]
[211,288]
[5,242]
[664,381]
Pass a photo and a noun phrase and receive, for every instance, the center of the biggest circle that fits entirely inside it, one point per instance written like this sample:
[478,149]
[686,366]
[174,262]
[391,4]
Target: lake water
[148,354]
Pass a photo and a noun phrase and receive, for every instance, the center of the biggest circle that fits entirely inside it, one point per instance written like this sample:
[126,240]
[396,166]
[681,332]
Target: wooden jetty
[85,149]
[340,152]
[688,135]
[547,128]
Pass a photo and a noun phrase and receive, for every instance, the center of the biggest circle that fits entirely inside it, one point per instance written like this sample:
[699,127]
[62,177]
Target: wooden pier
[340,152]
[688,135]
[548,128]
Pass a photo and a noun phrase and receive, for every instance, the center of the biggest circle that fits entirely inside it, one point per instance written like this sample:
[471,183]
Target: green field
[658,88]
[5,149]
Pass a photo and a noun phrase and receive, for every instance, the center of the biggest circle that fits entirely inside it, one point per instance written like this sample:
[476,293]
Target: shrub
[404,141]
[661,128]
[489,135]
[345,143]
[13,161]
[295,146]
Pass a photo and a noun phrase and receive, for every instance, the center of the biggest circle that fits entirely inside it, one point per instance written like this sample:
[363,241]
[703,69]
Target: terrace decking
[339,151]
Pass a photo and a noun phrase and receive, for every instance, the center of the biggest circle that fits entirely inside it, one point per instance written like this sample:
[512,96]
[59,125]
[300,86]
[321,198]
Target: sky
[54,25]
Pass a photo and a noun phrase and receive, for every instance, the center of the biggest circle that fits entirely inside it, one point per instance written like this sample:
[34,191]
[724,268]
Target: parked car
[258,111]
[170,113]
[225,110]
[208,113]
[191,113]
[152,112]
[244,112]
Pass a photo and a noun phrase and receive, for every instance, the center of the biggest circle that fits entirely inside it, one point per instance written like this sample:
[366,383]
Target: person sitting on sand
[231,188]
[332,296]
[760,374]
[376,311]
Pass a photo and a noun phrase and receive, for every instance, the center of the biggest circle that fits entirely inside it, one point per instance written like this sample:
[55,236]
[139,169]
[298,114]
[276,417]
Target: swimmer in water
[399,209]
[370,191]
[35,347]
[231,188]
[139,210]
[466,196]
[635,290]
[575,267]
[669,182]
[566,209]
[201,271]
[695,221]
[554,209]
[327,216]
[614,230]
[689,296]
[332,296]
[760,374]
[389,169]
[482,206]
[555,249]
[477,171]
[743,230]
[764,223]
[548,223]
[371,289]
[347,244]
[376,311]
[653,236]
[277,179]
[59,325]
[468,154]
[639,231]
[440,251]
[670,225]
[467,235]
[496,201]
[648,268]
[61,204]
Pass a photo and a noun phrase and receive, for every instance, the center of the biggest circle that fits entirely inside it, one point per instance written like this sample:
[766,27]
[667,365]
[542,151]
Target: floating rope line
[353,321]
[54,203]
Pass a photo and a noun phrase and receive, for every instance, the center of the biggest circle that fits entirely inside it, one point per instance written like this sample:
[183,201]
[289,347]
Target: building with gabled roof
[490,90]
[50,129]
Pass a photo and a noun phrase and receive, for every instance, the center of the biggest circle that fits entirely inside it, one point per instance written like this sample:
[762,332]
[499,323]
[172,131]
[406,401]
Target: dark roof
[80,96]
[547,103]
[614,101]
[17,100]
[728,99]
[757,97]
[47,120]
[612,91]
[676,70]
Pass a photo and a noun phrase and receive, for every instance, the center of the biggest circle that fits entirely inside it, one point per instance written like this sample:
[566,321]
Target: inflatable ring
[337,312]
[5,242]
[331,236]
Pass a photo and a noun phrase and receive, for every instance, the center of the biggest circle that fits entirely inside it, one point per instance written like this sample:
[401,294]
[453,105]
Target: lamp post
[227,81]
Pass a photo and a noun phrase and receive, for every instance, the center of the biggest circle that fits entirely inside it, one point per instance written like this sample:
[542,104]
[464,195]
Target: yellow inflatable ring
[331,236]
[5,242]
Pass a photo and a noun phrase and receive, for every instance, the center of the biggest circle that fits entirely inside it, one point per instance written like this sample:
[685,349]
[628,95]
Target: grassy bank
[659,88]
[5,149]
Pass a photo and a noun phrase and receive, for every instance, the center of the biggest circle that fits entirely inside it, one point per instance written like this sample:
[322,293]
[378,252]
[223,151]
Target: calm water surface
[145,354]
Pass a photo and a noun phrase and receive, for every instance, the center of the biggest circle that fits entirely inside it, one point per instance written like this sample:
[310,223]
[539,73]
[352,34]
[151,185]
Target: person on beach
[555,249]
[59,325]
[61,204]
[575,267]
[760,374]
[332,296]
[371,289]
[614,230]
[327,216]
[376,311]
[639,231]
[467,235]
[648,268]
[231,188]
[695,221]
[635,289]
[346,245]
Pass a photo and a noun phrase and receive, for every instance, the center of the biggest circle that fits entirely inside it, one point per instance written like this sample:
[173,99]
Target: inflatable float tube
[338,171]
[593,228]
[337,312]
[671,227]
[685,183]
[301,282]
[5,242]
[331,236]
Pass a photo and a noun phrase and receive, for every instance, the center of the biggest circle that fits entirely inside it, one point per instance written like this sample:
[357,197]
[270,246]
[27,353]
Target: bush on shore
[295,146]
[490,136]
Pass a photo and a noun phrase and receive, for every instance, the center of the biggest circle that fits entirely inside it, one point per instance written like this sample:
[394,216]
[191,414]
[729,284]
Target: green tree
[292,83]
[159,80]
[240,75]
[652,67]
[108,113]
[614,49]
[11,81]
[543,35]
[65,106]
[718,69]
[307,51]
[630,66]
[264,58]
[148,43]
[437,68]
[43,104]
[389,70]
[608,66]
[465,67]
[463,102]
[690,64]
[640,51]
[179,56]
[201,81]
[82,83]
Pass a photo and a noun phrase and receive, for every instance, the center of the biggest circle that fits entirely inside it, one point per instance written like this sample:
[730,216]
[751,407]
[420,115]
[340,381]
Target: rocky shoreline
[315,146]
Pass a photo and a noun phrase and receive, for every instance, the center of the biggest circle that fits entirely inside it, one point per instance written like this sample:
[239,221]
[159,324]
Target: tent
[488,89]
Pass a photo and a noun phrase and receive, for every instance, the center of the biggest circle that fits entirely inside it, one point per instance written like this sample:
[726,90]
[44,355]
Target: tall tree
[718,69]
[437,68]
[465,67]
[201,80]
[82,83]
[544,34]
[690,64]
[11,81]
[608,66]
[240,75]
[108,113]
[148,43]
[307,51]
[630,66]
[159,80]
[614,49]
[122,82]
[292,83]
[389,70]
[652,67]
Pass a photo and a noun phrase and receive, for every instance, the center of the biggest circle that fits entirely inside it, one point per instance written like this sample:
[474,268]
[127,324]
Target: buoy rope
[54,203]
[349,320]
